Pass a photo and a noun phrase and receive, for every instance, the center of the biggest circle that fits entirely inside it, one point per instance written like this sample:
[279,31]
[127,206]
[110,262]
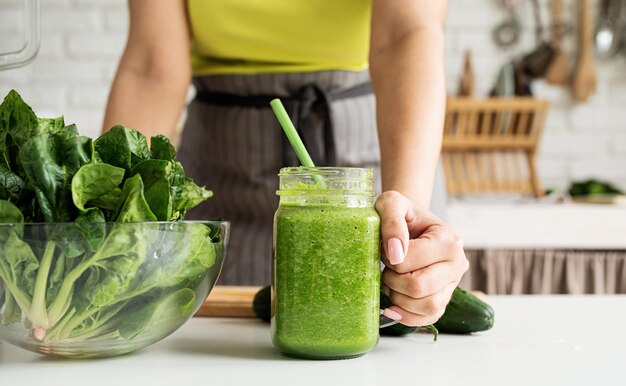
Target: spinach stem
[53,333]
[10,307]
[76,321]
[22,298]
[95,336]
[71,330]
[90,333]
[38,314]
[61,303]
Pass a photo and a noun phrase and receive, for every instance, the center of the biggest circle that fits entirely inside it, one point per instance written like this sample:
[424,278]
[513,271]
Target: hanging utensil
[505,82]
[507,33]
[467,84]
[608,38]
[558,71]
[522,81]
[536,62]
[585,80]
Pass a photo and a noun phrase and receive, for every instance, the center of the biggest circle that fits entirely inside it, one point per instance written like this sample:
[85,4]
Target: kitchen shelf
[489,145]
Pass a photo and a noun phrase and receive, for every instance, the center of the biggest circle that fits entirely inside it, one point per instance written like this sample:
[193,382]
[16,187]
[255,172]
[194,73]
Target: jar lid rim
[324,170]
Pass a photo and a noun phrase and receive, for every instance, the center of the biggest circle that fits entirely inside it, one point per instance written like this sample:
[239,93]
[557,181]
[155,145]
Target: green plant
[592,187]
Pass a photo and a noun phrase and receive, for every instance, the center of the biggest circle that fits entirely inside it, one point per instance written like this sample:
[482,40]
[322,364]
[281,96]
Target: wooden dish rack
[489,145]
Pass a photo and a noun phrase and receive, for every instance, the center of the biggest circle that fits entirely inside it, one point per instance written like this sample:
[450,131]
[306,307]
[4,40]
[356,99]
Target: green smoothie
[326,279]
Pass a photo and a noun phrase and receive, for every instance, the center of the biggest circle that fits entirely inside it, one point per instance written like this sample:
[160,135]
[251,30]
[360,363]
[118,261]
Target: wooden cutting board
[236,301]
[231,301]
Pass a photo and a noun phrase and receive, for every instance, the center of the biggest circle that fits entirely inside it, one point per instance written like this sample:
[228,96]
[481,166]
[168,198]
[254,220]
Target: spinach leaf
[161,148]
[190,256]
[177,187]
[74,150]
[108,201]
[191,196]
[11,312]
[157,317]
[11,185]
[122,147]
[83,235]
[133,206]
[10,213]
[188,259]
[17,124]
[110,270]
[89,323]
[39,158]
[49,162]
[18,269]
[111,276]
[91,225]
[176,181]
[156,175]
[168,193]
[93,181]
[49,125]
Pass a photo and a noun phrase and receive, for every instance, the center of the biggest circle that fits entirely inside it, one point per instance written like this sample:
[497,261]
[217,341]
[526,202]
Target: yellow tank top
[261,36]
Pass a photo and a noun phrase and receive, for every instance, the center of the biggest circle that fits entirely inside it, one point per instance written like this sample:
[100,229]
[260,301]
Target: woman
[315,56]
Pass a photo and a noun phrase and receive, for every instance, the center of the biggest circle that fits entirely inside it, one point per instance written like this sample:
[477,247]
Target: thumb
[393,209]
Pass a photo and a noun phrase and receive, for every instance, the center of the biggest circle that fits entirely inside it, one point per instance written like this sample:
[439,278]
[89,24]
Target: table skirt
[546,271]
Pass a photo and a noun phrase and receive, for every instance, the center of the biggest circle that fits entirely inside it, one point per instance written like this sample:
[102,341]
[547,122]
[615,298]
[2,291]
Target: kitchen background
[581,247]
[83,39]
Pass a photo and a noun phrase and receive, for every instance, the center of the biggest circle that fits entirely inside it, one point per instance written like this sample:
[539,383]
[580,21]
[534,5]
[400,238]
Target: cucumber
[262,304]
[465,314]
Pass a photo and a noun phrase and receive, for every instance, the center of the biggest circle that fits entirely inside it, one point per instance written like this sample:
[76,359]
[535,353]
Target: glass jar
[326,263]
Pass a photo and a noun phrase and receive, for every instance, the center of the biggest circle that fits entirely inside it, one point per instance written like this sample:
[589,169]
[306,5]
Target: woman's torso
[258,47]
[260,36]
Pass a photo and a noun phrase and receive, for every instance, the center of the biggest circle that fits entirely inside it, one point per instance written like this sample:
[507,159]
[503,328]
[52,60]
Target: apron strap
[307,106]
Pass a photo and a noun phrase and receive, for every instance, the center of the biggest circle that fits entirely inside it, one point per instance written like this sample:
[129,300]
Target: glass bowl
[85,290]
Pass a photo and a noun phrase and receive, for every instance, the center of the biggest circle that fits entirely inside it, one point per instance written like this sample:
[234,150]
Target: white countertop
[537,340]
[537,225]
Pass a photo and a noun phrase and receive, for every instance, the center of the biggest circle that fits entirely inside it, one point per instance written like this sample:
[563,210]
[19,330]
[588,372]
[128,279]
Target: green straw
[292,134]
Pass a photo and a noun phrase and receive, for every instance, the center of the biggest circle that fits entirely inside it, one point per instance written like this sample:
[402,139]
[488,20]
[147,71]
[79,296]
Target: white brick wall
[82,41]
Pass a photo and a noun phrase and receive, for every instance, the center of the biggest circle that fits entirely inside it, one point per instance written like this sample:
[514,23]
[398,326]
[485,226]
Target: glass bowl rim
[214,222]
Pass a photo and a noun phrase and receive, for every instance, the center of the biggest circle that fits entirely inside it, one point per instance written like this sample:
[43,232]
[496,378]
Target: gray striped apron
[236,149]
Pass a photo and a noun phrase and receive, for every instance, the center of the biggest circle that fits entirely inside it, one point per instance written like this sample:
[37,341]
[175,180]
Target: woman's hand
[424,260]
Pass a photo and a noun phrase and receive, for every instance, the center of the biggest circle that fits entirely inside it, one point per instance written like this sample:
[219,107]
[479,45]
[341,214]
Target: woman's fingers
[424,311]
[438,243]
[402,221]
[423,282]
[394,209]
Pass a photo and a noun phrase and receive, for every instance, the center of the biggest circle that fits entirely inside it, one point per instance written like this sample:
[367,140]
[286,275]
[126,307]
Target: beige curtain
[546,271]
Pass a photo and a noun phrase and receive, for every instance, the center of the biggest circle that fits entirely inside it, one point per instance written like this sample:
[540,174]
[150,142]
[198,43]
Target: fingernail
[395,253]
[391,314]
